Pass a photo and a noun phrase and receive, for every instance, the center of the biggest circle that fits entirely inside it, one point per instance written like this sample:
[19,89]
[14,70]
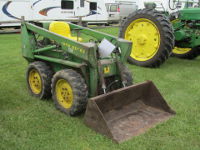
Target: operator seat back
[62,28]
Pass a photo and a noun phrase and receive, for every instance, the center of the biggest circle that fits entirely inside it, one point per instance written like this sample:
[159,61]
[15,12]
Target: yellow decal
[106,70]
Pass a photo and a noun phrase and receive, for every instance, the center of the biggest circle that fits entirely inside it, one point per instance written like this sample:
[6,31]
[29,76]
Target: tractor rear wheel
[152,37]
[38,77]
[69,92]
[186,53]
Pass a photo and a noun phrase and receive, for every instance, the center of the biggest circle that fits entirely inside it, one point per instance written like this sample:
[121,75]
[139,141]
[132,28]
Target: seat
[62,28]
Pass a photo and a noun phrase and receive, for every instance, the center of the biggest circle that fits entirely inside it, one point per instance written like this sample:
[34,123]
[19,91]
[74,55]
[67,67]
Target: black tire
[112,85]
[45,74]
[166,36]
[192,54]
[79,88]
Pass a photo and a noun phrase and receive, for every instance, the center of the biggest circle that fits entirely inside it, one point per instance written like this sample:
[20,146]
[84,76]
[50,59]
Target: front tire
[186,53]
[69,92]
[152,37]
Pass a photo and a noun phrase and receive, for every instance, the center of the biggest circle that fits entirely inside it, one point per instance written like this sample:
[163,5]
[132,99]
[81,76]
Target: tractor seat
[62,28]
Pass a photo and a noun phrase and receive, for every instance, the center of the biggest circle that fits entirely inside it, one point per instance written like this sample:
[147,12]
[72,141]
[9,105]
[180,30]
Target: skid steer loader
[90,75]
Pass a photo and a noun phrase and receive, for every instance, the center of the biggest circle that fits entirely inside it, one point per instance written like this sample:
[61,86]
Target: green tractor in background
[187,33]
[158,34]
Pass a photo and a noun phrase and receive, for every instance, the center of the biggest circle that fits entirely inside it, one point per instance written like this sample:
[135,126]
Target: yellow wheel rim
[145,37]
[64,93]
[178,50]
[35,81]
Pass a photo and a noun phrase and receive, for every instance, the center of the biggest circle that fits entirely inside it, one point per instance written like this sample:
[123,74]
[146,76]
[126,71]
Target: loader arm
[86,52]
[124,45]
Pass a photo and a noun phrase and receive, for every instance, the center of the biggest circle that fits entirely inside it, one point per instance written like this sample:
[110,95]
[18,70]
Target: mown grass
[27,123]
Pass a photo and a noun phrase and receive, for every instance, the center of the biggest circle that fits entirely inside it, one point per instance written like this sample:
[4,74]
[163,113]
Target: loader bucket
[127,112]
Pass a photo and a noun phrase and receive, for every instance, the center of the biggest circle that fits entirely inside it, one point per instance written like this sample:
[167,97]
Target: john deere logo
[106,70]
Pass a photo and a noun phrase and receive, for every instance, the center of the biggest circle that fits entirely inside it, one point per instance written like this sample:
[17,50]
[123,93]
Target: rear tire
[164,38]
[126,76]
[69,92]
[38,77]
[113,84]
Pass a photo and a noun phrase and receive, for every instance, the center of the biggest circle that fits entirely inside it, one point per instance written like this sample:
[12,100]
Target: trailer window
[65,4]
[93,6]
[189,5]
[107,7]
[113,8]
[82,3]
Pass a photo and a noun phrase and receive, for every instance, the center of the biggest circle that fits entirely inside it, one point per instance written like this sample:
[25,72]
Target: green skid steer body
[78,76]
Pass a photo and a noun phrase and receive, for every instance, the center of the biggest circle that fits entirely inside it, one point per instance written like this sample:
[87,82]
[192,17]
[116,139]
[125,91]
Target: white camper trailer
[169,6]
[34,10]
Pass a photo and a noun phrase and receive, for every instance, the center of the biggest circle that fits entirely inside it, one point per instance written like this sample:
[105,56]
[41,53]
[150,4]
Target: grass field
[27,123]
